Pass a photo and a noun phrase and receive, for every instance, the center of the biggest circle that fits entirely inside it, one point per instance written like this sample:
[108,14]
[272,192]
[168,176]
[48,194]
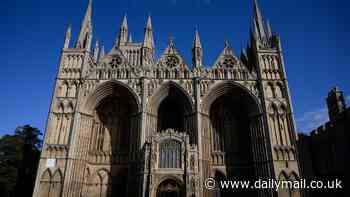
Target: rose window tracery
[228,62]
[116,61]
[172,61]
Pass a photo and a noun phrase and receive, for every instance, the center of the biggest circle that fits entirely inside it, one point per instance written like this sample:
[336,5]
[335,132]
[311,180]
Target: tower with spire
[125,123]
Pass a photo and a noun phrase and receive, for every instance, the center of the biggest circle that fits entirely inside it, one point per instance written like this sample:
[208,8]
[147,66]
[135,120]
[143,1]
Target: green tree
[19,156]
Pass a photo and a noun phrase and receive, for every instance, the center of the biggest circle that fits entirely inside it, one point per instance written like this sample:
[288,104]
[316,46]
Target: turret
[336,103]
[102,53]
[96,50]
[67,37]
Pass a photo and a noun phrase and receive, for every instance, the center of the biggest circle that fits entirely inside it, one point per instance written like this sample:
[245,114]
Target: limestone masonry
[123,123]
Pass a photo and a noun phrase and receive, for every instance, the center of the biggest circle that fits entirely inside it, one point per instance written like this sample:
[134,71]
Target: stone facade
[125,124]
[324,153]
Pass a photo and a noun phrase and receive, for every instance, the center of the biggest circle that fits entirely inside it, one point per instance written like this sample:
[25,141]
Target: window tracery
[172,61]
[116,62]
[170,154]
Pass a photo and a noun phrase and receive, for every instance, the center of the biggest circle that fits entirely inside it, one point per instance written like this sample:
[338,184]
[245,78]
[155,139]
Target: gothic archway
[114,136]
[171,108]
[169,188]
[234,123]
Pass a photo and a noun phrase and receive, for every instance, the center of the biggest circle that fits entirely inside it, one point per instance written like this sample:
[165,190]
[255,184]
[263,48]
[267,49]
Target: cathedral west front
[123,123]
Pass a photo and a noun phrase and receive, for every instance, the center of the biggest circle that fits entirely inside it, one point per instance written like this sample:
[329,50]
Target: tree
[19,156]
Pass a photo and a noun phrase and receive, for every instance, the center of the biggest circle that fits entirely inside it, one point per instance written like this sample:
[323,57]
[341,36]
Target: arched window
[279,91]
[170,154]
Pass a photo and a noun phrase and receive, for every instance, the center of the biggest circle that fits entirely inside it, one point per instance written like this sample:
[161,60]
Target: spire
[258,20]
[96,50]
[67,36]
[257,12]
[85,35]
[255,30]
[125,22]
[227,49]
[102,53]
[171,41]
[148,40]
[123,32]
[226,44]
[170,49]
[197,52]
[268,29]
[197,41]
[244,55]
[149,23]
[130,38]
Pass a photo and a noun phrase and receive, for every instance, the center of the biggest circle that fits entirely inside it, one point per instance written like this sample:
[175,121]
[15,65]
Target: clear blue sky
[315,38]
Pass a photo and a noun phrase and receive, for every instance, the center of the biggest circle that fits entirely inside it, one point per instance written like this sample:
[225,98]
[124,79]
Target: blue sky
[314,38]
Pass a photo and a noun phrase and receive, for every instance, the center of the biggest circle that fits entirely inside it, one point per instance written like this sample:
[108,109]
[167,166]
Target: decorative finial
[226,44]
[171,40]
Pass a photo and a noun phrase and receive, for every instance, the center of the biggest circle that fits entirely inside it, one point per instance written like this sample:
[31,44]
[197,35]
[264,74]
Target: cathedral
[124,123]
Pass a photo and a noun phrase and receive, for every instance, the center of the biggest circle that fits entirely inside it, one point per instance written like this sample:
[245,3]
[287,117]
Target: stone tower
[123,123]
[335,103]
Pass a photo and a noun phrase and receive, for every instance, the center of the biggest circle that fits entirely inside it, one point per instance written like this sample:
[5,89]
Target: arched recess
[114,134]
[56,184]
[51,184]
[283,192]
[45,180]
[288,190]
[170,187]
[86,182]
[233,118]
[295,192]
[171,107]
[220,176]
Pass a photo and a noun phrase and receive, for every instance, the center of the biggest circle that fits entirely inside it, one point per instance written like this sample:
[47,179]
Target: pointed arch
[270,90]
[46,175]
[45,183]
[283,175]
[279,89]
[86,182]
[163,91]
[57,176]
[63,89]
[56,184]
[106,89]
[228,87]
[171,107]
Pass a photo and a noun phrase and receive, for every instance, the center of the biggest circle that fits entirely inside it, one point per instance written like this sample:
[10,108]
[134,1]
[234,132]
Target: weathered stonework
[125,124]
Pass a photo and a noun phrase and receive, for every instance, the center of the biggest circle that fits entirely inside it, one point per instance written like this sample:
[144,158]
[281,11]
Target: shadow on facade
[114,145]
[232,149]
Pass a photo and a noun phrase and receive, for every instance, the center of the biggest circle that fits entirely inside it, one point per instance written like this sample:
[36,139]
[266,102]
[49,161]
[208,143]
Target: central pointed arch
[172,107]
